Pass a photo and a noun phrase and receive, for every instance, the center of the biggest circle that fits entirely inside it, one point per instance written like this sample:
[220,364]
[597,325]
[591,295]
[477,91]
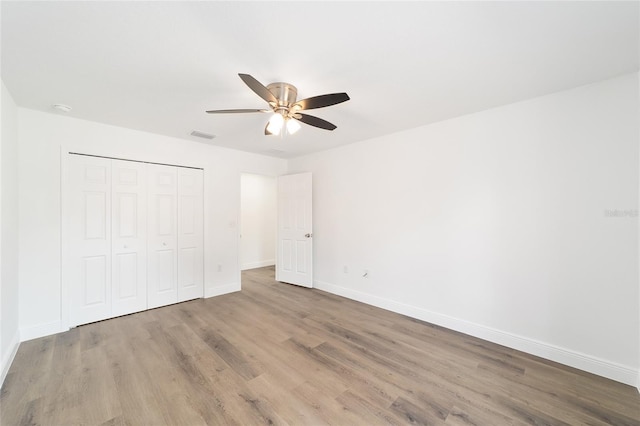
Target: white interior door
[162,271]
[190,234]
[294,260]
[129,237]
[88,227]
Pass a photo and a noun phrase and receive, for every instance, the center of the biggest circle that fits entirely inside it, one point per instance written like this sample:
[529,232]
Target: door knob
[308,235]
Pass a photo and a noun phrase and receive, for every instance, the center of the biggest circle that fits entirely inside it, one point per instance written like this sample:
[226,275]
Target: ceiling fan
[281,98]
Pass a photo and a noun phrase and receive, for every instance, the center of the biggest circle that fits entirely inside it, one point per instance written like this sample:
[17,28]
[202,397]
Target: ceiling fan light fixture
[281,98]
[292,126]
[275,123]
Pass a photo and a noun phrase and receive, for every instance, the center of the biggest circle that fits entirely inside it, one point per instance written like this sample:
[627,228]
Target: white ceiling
[157,66]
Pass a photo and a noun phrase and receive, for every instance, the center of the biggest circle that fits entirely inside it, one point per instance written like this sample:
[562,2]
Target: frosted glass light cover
[292,126]
[275,124]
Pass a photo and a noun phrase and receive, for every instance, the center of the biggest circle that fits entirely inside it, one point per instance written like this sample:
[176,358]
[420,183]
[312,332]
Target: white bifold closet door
[162,242]
[133,237]
[128,237]
[88,227]
[190,232]
[175,230]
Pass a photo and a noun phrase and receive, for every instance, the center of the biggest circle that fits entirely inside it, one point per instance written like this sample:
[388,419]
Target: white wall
[495,224]
[43,137]
[9,335]
[258,220]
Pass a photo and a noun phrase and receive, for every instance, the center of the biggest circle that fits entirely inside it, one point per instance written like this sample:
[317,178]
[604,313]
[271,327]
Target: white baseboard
[261,264]
[221,289]
[41,330]
[610,370]
[7,359]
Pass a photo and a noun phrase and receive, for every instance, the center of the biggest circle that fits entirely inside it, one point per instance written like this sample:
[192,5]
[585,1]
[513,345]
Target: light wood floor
[280,354]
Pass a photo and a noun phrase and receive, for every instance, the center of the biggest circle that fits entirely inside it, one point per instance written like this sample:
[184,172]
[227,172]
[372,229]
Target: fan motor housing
[285,93]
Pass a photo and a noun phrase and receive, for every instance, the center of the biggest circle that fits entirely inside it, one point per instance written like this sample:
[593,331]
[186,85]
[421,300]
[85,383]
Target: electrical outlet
[219,267]
[345,269]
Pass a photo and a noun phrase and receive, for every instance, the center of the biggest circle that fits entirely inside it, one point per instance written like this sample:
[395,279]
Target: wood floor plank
[138,404]
[281,354]
[366,411]
[100,402]
[419,414]
[27,380]
[327,407]
[468,414]
[288,405]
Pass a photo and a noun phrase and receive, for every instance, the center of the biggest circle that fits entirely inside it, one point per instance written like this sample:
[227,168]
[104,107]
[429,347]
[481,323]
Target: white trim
[591,364]
[41,330]
[260,264]
[64,249]
[638,376]
[8,358]
[219,290]
[134,161]
[47,329]
[238,269]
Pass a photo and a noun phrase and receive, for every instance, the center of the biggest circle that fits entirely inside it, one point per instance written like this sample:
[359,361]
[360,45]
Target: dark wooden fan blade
[322,101]
[315,121]
[235,111]
[259,88]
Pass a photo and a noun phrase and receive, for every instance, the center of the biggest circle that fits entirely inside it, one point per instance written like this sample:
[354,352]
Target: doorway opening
[258,221]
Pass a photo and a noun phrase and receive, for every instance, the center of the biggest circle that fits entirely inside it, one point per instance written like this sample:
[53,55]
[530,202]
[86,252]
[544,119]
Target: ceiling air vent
[274,152]
[203,135]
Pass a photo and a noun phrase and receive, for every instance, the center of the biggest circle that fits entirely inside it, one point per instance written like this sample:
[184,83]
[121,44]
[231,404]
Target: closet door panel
[162,268]
[129,237]
[88,227]
[190,234]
